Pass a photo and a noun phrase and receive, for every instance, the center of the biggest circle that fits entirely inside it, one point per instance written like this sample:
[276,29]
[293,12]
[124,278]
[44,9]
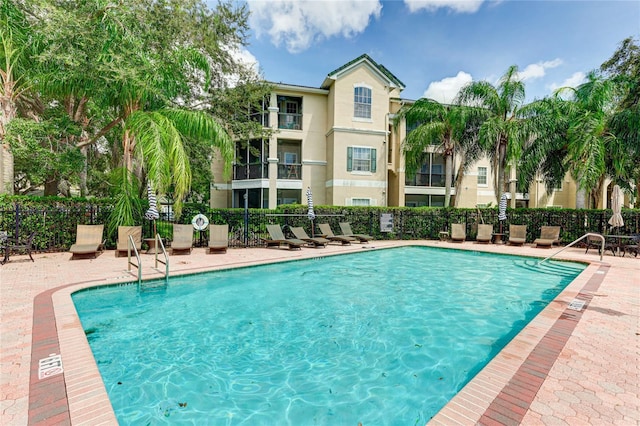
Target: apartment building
[339,140]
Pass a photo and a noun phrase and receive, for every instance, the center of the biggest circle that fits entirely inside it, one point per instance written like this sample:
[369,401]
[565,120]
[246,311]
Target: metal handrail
[130,244]
[166,257]
[588,234]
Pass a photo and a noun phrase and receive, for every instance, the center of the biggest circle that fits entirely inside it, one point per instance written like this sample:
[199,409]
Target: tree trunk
[8,112]
[581,199]
[83,173]
[500,170]
[448,171]
[51,186]
[459,178]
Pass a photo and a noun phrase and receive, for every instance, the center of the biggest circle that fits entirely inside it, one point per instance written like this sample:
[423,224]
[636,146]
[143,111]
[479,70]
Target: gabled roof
[384,73]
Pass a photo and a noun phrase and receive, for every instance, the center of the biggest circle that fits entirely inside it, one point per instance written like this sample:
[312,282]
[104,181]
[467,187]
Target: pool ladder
[589,234]
[138,264]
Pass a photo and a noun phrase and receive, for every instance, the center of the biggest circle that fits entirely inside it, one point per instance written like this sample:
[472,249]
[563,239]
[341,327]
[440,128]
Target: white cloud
[460,6]
[575,80]
[245,57]
[538,70]
[445,90]
[298,24]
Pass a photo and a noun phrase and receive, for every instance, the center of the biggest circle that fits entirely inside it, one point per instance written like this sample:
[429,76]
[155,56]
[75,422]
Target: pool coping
[488,398]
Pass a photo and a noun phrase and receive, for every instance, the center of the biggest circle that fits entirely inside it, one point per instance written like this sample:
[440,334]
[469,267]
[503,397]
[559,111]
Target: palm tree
[545,156]
[17,44]
[574,135]
[502,135]
[438,125]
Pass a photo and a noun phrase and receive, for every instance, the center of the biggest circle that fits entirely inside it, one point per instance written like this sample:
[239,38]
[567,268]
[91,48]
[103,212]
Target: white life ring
[200,222]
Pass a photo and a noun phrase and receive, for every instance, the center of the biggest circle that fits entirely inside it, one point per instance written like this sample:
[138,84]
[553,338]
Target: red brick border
[512,403]
[48,402]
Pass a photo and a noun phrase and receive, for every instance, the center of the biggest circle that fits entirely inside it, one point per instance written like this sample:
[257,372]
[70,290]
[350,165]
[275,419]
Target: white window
[361,201]
[290,158]
[482,175]
[361,159]
[361,102]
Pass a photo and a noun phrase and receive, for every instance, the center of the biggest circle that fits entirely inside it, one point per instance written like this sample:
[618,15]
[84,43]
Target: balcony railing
[289,171]
[422,179]
[250,171]
[290,121]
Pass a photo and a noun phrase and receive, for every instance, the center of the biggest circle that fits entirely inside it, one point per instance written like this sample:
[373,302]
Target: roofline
[388,75]
[297,88]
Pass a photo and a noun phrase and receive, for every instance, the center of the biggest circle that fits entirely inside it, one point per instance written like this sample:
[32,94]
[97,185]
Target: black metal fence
[56,225]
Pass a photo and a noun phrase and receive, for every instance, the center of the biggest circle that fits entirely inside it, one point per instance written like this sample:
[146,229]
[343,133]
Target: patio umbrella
[616,205]
[152,213]
[502,210]
[310,213]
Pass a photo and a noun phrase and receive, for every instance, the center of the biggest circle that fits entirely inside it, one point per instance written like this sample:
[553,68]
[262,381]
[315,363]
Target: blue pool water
[382,337]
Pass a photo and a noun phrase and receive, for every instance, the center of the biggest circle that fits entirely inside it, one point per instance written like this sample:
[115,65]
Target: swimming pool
[378,337]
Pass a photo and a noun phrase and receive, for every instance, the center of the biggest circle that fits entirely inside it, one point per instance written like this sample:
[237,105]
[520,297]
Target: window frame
[362,102]
[351,159]
[483,175]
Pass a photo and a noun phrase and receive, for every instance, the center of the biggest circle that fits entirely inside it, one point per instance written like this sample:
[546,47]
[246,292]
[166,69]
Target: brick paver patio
[567,367]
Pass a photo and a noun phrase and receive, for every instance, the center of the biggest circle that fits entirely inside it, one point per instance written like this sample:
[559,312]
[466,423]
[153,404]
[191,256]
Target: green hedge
[55,220]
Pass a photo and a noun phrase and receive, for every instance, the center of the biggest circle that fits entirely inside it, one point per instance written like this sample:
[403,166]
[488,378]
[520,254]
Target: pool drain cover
[50,366]
[576,305]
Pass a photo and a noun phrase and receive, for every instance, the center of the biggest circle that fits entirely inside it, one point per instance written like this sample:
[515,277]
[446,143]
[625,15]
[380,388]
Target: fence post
[246,218]
[17,230]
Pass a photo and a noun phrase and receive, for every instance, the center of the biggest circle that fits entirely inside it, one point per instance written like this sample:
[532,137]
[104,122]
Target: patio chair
[633,246]
[89,242]
[596,242]
[327,232]
[182,239]
[549,235]
[277,238]
[17,245]
[218,238]
[458,232]
[301,234]
[485,233]
[345,227]
[122,246]
[517,234]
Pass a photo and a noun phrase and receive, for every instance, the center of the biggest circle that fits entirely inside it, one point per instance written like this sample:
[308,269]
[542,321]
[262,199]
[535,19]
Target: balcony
[290,171]
[290,121]
[250,171]
[422,179]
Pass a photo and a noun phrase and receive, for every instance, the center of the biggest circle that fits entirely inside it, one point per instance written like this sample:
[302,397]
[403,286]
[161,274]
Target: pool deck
[570,366]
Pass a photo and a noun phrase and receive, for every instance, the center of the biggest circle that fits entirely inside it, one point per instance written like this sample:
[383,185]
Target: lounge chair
[218,238]
[325,230]
[89,242]
[345,227]
[517,234]
[458,232]
[278,238]
[301,234]
[549,235]
[122,246]
[485,233]
[182,239]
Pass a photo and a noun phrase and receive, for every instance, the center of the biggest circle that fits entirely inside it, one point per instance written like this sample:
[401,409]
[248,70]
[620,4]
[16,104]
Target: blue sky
[436,46]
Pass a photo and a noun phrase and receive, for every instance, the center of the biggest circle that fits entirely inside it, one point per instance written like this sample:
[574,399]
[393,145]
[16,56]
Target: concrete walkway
[567,367]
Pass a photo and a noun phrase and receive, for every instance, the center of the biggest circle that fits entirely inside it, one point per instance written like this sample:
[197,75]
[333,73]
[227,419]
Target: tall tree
[624,69]
[570,133]
[16,47]
[502,135]
[444,126]
[144,81]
